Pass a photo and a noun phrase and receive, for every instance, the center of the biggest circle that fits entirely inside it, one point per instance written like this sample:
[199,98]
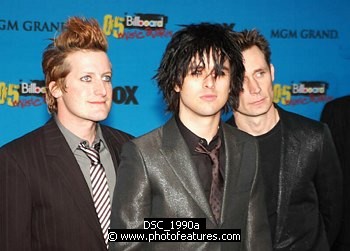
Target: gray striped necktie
[100,192]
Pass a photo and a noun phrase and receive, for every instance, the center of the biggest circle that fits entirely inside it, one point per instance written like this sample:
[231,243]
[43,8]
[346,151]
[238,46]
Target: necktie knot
[91,152]
[213,154]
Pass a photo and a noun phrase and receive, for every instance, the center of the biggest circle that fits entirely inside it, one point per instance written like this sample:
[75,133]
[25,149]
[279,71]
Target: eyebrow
[93,73]
[226,68]
[261,69]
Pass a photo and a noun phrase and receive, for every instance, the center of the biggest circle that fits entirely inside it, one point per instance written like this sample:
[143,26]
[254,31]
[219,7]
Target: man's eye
[86,78]
[260,74]
[220,73]
[196,73]
[107,78]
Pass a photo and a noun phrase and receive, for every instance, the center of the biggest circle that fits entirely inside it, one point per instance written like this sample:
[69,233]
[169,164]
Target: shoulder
[149,139]
[236,134]
[236,138]
[21,146]
[298,124]
[145,145]
[339,108]
[163,134]
[338,102]
[29,138]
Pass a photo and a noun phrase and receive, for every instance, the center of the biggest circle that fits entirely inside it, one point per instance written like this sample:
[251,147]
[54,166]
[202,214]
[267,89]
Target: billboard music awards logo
[32,93]
[24,94]
[301,93]
[138,26]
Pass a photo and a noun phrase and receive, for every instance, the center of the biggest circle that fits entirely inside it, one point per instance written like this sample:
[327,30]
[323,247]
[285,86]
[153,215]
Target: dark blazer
[45,203]
[310,191]
[336,114]
[157,179]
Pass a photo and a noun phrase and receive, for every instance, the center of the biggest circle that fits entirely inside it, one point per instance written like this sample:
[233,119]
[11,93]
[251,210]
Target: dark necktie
[217,184]
[100,191]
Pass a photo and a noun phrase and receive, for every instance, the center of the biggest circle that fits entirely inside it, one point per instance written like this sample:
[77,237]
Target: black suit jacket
[336,114]
[157,179]
[310,186]
[45,203]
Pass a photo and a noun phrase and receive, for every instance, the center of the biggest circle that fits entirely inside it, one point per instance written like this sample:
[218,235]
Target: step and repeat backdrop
[309,41]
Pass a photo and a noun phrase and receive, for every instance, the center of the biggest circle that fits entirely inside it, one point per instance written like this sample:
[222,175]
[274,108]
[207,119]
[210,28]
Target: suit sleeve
[258,230]
[15,205]
[132,196]
[329,186]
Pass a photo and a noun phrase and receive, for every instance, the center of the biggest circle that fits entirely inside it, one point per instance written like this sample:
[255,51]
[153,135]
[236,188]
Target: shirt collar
[73,140]
[192,139]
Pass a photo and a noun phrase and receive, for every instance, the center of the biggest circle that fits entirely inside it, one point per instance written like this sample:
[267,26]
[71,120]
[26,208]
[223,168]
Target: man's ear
[272,69]
[177,88]
[55,91]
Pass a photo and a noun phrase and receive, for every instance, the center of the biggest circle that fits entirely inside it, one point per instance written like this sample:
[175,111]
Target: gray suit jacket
[45,203]
[157,179]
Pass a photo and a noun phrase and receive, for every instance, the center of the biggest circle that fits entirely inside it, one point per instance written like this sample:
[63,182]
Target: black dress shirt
[203,161]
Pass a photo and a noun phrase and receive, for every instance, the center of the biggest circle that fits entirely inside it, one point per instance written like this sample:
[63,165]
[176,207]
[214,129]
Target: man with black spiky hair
[195,166]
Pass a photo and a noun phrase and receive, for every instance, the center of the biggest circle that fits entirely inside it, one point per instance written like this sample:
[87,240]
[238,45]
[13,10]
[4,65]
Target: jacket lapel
[175,151]
[63,162]
[290,151]
[112,147]
[232,170]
